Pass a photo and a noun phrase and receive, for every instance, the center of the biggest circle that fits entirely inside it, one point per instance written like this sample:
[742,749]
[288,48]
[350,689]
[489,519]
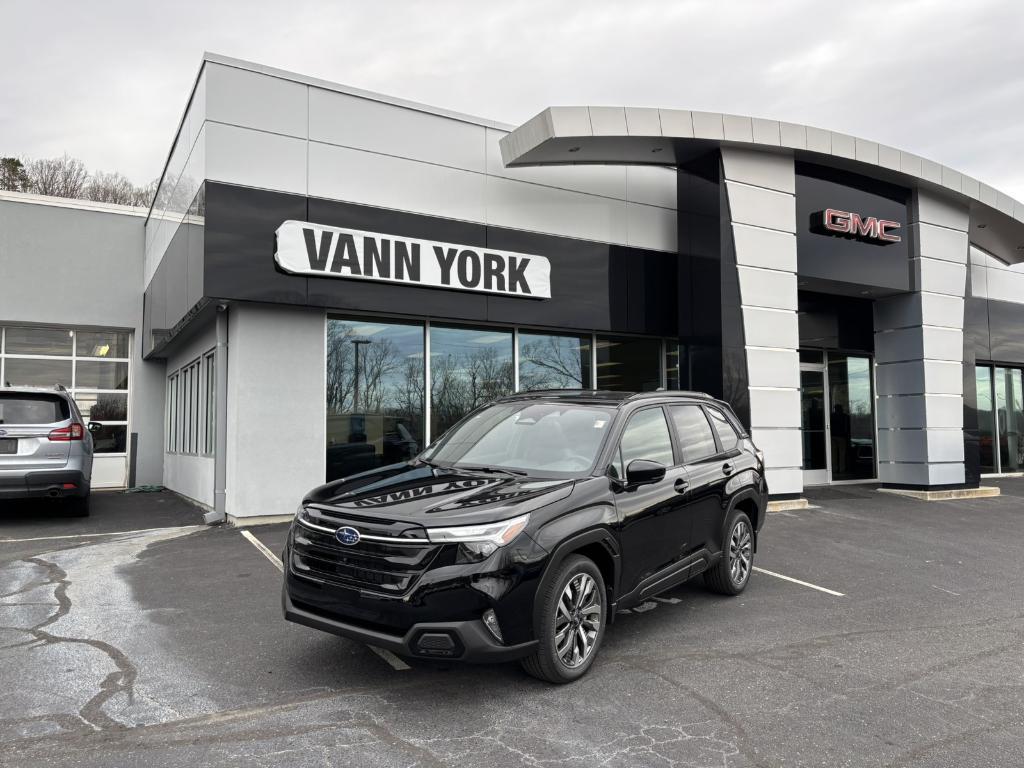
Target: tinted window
[468,367]
[726,433]
[32,409]
[695,433]
[646,436]
[374,394]
[553,362]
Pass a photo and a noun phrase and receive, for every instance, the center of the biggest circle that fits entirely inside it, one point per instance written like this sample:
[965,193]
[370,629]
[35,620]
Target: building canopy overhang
[672,137]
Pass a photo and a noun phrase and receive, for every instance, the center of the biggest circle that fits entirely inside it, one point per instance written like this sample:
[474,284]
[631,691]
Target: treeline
[68,177]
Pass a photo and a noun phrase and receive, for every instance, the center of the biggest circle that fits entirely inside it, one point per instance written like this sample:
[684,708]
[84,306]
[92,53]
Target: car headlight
[477,542]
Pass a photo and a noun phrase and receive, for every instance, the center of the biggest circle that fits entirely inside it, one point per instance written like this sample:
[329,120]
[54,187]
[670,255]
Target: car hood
[436,496]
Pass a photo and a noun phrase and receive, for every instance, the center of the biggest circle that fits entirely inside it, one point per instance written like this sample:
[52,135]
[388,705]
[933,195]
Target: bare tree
[143,195]
[552,362]
[58,176]
[110,188]
[13,177]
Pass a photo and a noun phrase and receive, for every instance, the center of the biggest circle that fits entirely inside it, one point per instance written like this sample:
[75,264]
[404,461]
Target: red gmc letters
[862,228]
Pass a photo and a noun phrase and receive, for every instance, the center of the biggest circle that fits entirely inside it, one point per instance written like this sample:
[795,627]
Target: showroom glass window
[375,387]
[92,365]
[468,367]
[553,362]
[1000,403]
[627,363]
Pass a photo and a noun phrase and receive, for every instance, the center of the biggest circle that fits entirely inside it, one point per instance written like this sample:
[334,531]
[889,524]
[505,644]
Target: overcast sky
[107,80]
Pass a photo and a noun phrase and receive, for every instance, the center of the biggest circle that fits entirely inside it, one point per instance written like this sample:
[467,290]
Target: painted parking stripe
[95,535]
[388,656]
[797,581]
[266,552]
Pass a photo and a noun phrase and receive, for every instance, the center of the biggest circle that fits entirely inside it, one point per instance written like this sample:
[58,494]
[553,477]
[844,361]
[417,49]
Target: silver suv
[45,447]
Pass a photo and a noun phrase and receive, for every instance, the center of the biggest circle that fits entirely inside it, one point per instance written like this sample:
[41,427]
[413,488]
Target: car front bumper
[467,641]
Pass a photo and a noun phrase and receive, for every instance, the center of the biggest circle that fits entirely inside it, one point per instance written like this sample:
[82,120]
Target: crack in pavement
[121,680]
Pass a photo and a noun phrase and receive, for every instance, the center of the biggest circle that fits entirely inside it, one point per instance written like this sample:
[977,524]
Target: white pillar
[919,344]
[761,191]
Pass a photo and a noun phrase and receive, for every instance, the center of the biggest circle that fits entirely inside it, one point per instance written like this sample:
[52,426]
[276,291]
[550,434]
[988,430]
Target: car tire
[574,602]
[731,574]
[78,506]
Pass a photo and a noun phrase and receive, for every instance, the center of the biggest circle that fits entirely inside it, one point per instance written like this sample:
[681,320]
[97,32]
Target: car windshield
[557,440]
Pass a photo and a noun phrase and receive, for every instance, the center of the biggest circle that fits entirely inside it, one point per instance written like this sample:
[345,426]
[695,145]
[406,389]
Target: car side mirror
[644,471]
[95,426]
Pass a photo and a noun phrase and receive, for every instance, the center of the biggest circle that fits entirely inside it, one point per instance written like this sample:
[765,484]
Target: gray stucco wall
[80,265]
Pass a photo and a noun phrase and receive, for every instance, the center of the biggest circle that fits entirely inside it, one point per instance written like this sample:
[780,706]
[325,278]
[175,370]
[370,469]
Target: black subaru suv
[523,530]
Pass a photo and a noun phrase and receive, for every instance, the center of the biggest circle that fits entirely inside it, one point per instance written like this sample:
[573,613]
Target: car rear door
[654,524]
[707,468]
[26,421]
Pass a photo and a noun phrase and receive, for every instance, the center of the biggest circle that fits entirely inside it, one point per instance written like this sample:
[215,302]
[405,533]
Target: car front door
[707,470]
[654,527]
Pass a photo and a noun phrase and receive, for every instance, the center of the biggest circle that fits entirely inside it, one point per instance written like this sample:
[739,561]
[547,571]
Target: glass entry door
[813,410]
[838,419]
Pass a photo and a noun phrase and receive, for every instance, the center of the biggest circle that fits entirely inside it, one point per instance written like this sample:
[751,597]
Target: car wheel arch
[597,544]
[745,501]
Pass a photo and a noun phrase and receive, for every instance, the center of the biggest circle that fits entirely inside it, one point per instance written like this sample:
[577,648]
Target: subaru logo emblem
[3,432]
[347,536]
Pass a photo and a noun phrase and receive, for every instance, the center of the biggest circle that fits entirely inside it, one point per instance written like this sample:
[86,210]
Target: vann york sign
[320,251]
[852,225]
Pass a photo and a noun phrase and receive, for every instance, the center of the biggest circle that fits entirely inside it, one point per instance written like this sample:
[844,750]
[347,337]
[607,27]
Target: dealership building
[330,278]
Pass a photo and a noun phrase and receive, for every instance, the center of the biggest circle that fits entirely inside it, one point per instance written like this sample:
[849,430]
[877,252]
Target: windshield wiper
[493,470]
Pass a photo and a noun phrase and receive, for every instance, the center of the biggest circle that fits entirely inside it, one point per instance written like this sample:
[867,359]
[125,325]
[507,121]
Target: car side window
[726,432]
[646,436]
[695,435]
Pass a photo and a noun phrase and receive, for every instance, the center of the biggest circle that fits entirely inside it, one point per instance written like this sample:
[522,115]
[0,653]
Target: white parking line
[388,656]
[266,552]
[94,535]
[797,581]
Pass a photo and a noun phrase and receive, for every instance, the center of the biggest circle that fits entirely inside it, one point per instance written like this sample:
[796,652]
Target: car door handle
[681,485]
[727,468]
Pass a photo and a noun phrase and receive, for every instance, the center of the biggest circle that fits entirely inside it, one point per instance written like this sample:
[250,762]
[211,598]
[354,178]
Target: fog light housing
[491,622]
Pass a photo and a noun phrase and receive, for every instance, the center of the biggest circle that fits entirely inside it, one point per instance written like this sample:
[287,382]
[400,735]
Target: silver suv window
[32,409]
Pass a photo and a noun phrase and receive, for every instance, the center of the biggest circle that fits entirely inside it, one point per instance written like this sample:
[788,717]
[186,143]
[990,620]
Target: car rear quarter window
[695,435]
[726,432]
[32,409]
[646,436]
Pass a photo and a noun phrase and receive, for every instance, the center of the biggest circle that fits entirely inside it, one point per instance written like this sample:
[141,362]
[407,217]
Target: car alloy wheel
[578,620]
[740,553]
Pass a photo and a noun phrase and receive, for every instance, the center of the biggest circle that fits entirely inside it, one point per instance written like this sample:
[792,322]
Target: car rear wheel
[731,574]
[571,612]
[78,506]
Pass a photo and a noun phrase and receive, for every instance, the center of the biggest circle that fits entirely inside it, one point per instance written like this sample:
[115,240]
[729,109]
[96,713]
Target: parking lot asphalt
[167,647]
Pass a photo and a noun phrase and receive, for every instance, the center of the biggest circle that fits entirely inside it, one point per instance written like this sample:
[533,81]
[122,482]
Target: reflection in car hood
[438,496]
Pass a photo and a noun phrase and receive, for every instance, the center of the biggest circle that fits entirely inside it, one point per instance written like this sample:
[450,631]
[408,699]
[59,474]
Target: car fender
[580,528]
[746,493]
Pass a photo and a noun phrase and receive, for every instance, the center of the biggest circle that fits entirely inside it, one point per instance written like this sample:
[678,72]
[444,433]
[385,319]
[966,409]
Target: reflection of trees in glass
[388,381]
[460,382]
[108,408]
[550,362]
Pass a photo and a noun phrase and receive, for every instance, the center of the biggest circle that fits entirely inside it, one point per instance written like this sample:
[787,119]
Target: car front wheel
[731,573]
[570,622]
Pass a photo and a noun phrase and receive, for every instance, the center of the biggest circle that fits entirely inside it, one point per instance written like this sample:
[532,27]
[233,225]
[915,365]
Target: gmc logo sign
[853,225]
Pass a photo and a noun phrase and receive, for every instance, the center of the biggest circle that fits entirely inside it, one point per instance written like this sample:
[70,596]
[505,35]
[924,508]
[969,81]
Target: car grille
[377,564]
